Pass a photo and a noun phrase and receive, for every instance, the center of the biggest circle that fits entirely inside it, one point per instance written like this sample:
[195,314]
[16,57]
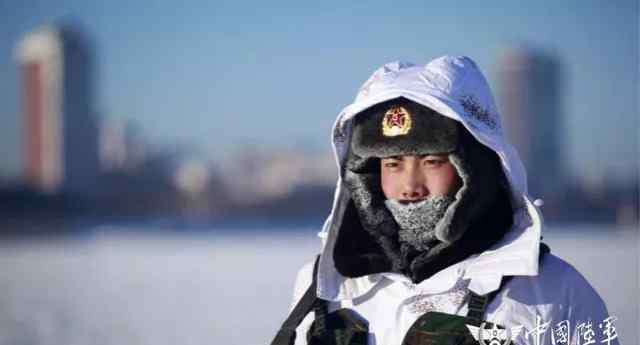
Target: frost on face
[418,220]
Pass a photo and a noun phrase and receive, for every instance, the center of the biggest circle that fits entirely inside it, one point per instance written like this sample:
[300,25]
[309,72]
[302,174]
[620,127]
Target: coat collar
[515,255]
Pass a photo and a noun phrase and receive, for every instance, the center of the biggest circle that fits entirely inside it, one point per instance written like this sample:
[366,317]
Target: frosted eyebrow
[437,155]
[399,158]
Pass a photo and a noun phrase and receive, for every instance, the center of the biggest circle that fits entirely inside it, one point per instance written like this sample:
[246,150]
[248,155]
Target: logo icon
[396,121]
[494,335]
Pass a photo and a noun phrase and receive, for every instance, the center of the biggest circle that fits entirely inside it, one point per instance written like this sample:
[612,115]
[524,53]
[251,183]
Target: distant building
[60,134]
[530,99]
[259,175]
[120,147]
[113,145]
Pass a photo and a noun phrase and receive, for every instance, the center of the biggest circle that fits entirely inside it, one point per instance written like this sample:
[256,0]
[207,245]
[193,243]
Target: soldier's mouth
[409,202]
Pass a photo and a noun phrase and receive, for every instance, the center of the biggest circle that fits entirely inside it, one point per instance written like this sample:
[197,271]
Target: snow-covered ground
[231,288]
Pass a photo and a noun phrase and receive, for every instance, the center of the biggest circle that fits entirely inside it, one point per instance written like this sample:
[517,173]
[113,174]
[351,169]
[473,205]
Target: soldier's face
[413,178]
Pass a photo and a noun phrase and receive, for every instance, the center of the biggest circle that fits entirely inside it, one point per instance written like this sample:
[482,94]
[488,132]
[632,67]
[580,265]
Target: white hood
[455,88]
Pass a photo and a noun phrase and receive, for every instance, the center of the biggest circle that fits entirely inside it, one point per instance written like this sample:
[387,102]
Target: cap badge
[396,121]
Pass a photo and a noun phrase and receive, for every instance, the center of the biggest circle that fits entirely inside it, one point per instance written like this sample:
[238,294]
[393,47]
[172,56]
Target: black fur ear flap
[361,165]
[356,252]
[481,173]
[374,217]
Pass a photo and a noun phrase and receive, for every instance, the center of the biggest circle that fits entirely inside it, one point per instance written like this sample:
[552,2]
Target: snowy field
[117,289]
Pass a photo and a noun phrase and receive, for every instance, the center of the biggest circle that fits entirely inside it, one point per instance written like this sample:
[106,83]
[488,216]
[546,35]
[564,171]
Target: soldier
[433,238]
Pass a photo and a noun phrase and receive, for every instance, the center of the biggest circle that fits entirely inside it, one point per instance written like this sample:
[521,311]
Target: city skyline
[249,79]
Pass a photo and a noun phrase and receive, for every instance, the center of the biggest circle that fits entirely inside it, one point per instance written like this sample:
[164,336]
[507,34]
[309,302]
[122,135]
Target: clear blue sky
[220,74]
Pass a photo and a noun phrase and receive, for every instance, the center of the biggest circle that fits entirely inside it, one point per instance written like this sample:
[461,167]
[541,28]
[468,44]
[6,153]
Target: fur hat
[378,131]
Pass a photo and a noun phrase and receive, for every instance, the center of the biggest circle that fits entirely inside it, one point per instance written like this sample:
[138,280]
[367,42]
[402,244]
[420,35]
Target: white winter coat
[550,293]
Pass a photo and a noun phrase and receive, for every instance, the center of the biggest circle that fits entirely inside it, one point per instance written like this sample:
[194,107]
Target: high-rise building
[120,146]
[60,134]
[529,97]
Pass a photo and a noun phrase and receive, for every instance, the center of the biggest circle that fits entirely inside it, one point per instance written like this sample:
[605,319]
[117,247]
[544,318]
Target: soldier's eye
[434,162]
[390,164]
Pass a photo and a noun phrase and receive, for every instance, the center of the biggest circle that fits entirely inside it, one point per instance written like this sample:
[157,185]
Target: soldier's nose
[413,188]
